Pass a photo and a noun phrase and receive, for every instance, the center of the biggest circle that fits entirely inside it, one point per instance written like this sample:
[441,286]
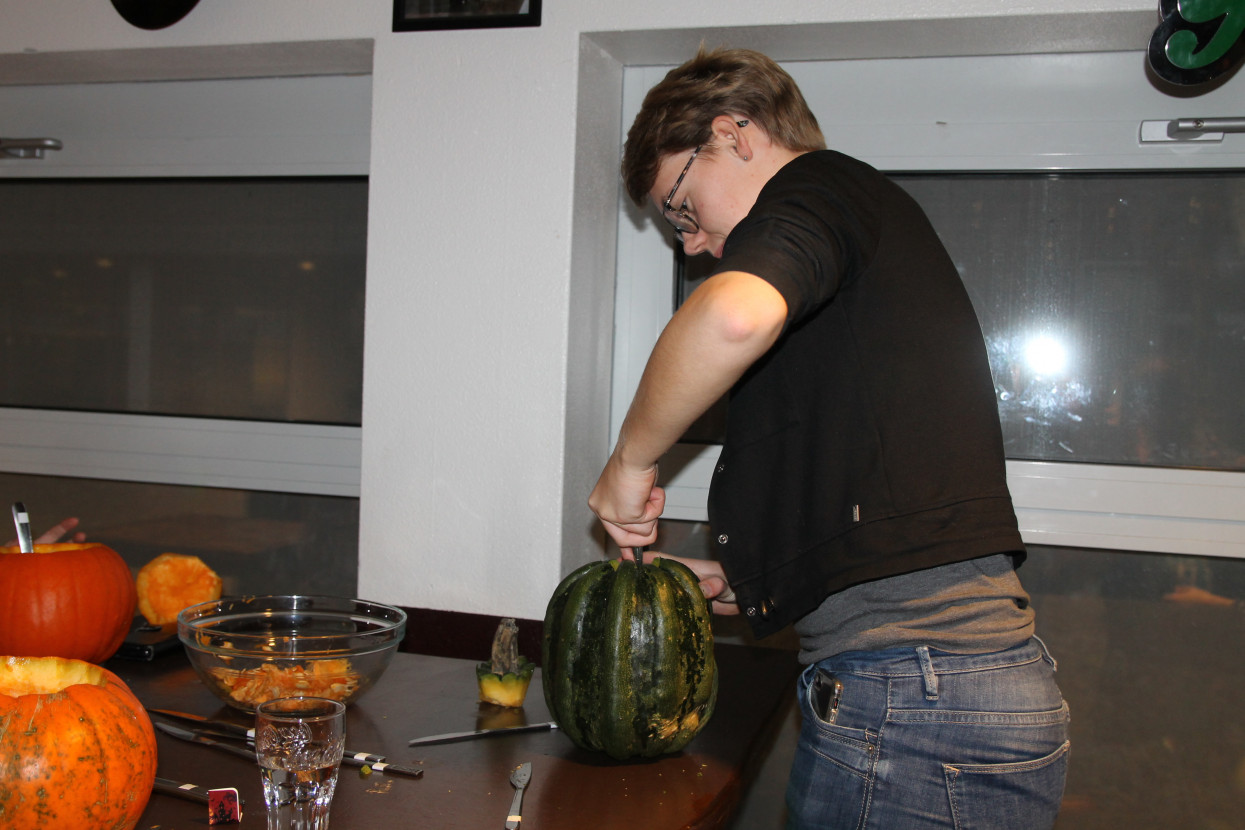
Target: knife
[451,737]
[198,736]
[205,737]
[224,728]
[190,792]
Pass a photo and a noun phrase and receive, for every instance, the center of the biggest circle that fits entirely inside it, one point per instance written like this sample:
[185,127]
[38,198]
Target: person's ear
[730,134]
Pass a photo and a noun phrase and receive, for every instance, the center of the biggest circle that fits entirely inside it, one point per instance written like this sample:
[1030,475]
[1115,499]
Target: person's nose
[694,243]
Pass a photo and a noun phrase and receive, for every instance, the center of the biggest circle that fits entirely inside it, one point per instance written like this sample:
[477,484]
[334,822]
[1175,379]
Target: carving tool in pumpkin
[25,541]
[225,729]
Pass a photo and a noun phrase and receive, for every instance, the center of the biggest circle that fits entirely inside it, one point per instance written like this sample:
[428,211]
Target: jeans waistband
[917,661]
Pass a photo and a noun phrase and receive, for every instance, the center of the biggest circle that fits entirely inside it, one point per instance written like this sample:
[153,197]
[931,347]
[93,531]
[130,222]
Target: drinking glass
[298,743]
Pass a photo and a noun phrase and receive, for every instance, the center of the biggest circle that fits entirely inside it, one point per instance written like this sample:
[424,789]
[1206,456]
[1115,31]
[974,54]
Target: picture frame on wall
[418,15]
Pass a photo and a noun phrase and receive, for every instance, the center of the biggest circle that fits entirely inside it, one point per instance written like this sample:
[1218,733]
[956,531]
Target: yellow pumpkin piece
[508,689]
[171,582]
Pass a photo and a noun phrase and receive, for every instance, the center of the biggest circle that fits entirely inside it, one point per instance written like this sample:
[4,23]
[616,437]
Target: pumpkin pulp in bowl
[251,649]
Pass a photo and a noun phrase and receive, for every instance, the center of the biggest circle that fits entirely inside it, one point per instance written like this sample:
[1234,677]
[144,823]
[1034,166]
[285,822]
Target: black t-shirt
[866,443]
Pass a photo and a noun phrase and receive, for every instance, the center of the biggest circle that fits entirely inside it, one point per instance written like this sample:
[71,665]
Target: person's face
[694,192]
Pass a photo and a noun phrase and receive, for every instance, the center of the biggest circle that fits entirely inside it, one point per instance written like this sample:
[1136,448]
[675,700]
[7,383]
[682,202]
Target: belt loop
[927,672]
[1046,655]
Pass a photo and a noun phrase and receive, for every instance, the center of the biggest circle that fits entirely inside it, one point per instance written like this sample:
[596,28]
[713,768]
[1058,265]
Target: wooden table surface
[465,785]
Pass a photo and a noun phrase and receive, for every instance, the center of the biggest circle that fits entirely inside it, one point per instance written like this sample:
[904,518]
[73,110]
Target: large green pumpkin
[628,664]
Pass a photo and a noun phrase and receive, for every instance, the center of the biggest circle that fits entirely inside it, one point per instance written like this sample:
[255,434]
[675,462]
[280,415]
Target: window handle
[1202,125]
[1191,129]
[28,148]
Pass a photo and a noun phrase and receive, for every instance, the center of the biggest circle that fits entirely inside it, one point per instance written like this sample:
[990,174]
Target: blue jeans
[926,739]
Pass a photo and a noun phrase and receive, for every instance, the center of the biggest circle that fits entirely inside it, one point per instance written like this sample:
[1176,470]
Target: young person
[861,494]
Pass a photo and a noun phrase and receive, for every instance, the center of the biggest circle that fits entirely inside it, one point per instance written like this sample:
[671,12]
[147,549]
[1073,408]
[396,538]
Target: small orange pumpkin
[77,749]
[73,600]
[171,582]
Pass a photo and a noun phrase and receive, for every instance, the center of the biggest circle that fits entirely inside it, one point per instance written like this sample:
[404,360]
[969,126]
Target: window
[184,320]
[221,298]
[1112,306]
[1078,243]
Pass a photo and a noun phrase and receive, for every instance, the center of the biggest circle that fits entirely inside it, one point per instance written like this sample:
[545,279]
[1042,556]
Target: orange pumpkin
[77,750]
[171,582]
[72,600]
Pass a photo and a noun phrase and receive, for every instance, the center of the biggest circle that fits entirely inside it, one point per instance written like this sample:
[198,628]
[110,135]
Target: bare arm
[58,532]
[723,328]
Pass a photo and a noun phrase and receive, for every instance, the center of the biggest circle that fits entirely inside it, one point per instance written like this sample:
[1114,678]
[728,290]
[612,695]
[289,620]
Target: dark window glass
[234,298]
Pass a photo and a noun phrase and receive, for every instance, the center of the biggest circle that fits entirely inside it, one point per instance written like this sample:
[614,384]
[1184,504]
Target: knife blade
[224,728]
[197,736]
[190,792]
[451,737]
[208,738]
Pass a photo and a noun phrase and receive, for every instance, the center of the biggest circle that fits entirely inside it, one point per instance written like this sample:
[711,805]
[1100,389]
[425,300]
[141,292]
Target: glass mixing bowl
[251,649]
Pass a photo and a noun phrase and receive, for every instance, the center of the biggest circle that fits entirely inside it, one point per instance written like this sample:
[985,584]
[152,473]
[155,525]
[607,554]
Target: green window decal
[1197,40]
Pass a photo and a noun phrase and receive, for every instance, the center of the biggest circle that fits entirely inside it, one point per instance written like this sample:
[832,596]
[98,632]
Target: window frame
[1047,113]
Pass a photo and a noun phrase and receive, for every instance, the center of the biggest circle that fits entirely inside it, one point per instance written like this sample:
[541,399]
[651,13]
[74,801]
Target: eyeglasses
[681,219]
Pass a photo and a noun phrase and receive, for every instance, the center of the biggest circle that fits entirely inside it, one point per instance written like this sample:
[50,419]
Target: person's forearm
[723,328]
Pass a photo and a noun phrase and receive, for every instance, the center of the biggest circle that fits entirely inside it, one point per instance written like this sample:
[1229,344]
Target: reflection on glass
[1141,276]
[258,542]
[236,298]
[1112,305]
[1046,356]
[1122,622]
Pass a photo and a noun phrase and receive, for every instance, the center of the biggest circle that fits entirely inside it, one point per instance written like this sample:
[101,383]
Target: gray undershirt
[971,607]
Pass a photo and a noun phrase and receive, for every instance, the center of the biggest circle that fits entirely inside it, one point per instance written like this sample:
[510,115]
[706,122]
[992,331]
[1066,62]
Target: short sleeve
[805,235]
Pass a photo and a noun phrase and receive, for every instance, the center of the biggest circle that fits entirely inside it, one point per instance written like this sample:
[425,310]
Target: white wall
[485,354]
